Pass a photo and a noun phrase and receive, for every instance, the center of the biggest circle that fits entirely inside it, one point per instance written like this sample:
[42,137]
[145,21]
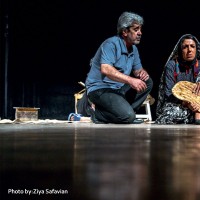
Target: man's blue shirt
[112,51]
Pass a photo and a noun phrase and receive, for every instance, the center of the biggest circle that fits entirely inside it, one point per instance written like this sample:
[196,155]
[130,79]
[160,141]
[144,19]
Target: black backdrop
[50,43]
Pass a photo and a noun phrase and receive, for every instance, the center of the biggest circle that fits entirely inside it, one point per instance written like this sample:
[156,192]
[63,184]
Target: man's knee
[128,117]
[149,84]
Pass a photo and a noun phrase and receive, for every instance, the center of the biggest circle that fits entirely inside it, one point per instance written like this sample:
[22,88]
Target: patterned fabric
[173,113]
[169,109]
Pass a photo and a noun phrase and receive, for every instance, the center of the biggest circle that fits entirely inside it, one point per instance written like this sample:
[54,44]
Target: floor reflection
[101,162]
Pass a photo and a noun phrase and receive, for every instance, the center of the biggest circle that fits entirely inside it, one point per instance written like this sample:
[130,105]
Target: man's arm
[113,74]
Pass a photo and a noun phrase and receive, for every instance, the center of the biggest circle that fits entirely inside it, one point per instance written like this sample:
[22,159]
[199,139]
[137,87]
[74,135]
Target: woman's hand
[196,89]
[193,107]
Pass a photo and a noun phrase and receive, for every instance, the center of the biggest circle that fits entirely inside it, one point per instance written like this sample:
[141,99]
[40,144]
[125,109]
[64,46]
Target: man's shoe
[93,118]
[197,121]
[137,121]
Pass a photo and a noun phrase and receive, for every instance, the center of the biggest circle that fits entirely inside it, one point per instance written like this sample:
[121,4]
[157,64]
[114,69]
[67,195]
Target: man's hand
[137,84]
[141,74]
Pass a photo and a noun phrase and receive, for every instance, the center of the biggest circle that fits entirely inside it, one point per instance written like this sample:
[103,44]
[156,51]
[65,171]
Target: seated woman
[182,65]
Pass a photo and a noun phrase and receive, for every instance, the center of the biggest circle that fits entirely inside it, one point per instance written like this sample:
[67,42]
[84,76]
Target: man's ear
[124,32]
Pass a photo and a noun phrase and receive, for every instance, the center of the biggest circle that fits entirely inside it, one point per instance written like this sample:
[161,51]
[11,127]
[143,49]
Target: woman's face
[189,49]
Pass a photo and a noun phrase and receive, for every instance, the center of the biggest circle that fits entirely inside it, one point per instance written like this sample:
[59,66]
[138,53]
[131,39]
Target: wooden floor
[85,161]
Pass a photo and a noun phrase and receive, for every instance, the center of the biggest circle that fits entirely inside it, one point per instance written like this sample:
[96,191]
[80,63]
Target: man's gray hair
[127,19]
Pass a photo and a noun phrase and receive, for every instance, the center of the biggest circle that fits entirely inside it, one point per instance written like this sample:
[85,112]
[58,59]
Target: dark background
[46,46]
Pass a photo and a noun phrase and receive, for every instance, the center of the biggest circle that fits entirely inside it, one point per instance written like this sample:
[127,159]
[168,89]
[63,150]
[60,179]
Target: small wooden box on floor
[26,113]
